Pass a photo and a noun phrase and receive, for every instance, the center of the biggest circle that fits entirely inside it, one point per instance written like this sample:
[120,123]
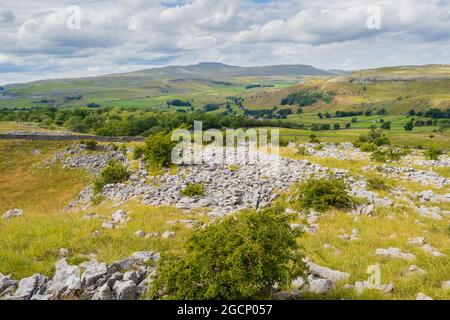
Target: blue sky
[124,35]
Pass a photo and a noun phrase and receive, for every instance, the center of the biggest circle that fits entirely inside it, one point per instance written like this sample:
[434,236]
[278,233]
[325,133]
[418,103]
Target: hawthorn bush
[323,193]
[158,150]
[240,257]
[115,172]
[193,190]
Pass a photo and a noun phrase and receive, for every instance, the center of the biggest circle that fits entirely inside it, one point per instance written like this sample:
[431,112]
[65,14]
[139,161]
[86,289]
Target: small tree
[115,172]
[336,126]
[433,153]
[313,139]
[323,193]
[241,257]
[386,125]
[158,150]
[91,145]
[387,154]
[377,184]
[409,126]
[193,190]
[138,152]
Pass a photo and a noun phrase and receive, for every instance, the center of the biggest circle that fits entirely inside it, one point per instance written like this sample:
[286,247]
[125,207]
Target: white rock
[320,286]
[327,273]
[120,216]
[415,270]
[395,253]
[298,282]
[168,234]
[125,290]
[93,272]
[140,234]
[66,279]
[14,213]
[28,287]
[108,225]
[421,296]
[419,241]
[446,285]
[144,257]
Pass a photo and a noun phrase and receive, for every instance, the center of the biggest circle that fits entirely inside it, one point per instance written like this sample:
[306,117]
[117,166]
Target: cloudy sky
[70,38]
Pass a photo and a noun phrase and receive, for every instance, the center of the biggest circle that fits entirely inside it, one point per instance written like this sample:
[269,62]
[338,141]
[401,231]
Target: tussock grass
[30,244]
[26,184]
[390,228]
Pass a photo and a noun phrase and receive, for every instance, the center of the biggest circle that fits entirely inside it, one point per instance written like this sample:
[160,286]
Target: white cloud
[124,35]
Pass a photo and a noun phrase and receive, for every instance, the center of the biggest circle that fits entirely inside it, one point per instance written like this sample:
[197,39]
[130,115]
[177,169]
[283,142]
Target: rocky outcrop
[122,280]
[78,157]
[342,151]
[227,190]
[406,173]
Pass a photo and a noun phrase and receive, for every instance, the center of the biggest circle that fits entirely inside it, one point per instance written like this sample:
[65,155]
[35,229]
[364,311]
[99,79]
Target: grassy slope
[391,227]
[419,87]
[30,244]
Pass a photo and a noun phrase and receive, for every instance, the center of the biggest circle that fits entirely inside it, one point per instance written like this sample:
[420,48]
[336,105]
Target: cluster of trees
[131,122]
[328,126]
[257,85]
[343,114]
[306,97]
[437,114]
[179,103]
[273,113]
[211,107]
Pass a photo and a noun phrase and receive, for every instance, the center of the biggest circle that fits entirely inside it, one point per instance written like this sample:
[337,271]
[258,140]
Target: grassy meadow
[30,244]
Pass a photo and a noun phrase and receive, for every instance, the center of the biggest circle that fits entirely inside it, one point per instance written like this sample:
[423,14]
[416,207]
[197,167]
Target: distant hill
[219,70]
[395,89]
[153,87]
[401,73]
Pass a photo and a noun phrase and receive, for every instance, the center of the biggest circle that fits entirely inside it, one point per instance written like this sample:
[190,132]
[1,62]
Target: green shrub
[323,193]
[97,199]
[115,172]
[313,139]
[319,147]
[433,153]
[158,150]
[91,145]
[138,152]
[193,190]
[283,142]
[367,147]
[387,154]
[123,149]
[377,184]
[113,146]
[375,136]
[302,151]
[241,257]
